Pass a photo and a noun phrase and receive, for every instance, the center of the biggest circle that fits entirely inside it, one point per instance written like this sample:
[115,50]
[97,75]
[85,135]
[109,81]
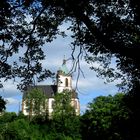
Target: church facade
[63,82]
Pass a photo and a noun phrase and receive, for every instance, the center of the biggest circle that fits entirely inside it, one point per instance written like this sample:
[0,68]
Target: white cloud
[9,89]
[13,104]
[12,101]
[83,108]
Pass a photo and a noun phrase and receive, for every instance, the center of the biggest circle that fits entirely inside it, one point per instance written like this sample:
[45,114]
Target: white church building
[64,82]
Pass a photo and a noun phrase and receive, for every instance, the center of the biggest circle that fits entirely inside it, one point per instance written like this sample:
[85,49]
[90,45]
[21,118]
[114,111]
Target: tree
[2,104]
[62,105]
[106,118]
[36,103]
[20,129]
[102,29]
[64,116]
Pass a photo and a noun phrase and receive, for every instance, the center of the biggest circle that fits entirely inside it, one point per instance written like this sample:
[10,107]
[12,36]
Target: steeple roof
[64,68]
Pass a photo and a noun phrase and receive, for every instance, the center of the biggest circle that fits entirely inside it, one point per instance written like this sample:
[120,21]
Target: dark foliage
[2,104]
[109,118]
[18,127]
[102,29]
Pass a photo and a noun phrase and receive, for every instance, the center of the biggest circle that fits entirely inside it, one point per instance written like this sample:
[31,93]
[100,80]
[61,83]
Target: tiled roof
[48,90]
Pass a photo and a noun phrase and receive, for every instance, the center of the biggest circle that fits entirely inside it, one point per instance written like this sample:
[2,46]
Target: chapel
[63,82]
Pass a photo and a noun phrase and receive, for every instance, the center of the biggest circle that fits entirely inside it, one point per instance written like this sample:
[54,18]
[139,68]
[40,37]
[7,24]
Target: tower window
[66,82]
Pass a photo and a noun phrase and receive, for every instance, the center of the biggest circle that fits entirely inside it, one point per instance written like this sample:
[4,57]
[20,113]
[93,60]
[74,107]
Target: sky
[89,86]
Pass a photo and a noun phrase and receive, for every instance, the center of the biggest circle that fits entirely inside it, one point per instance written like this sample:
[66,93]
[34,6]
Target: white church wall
[50,106]
[25,110]
[75,103]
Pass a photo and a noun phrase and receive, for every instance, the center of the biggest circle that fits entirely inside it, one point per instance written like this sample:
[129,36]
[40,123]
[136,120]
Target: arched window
[66,82]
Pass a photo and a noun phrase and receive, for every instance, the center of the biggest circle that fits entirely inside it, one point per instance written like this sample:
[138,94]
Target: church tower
[64,78]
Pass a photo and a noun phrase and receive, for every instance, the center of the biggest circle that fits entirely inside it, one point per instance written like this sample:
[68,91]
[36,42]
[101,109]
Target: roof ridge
[44,85]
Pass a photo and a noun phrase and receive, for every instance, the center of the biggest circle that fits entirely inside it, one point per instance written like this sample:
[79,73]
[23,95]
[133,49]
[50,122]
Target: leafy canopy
[36,102]
[106,118]
[101,29]
[2,104]
[64,116]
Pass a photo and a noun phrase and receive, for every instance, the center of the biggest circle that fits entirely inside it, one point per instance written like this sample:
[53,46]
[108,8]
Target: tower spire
[64,68]
[64,61]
